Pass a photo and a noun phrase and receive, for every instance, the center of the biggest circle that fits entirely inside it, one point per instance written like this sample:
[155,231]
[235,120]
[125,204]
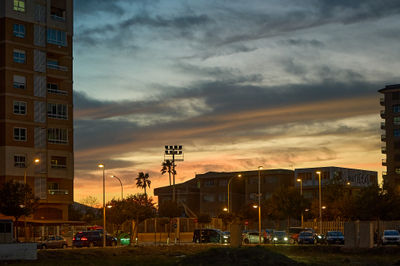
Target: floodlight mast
[174,152]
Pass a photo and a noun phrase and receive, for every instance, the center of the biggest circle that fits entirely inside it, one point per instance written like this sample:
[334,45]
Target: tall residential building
[36,101]
[391,137]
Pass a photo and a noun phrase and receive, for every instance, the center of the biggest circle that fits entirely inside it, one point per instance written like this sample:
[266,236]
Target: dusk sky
[282,84]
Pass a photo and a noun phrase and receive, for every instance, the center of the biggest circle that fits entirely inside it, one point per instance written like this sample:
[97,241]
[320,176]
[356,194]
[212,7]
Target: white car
[252,238]
[391,237]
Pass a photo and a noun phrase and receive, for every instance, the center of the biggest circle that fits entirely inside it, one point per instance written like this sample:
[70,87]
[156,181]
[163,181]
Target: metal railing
[58,191]
[57,67]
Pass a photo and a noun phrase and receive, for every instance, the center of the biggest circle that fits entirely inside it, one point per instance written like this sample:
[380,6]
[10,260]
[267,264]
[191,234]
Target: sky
[240,84]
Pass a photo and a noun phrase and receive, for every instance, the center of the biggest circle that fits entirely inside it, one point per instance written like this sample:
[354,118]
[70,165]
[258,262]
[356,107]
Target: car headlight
[275,238]
[285,238]
[225,236]
[319,237]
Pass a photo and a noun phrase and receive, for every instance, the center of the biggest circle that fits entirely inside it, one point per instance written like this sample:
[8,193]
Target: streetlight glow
[225,209]
[255,206]
[298,180]
[319,201]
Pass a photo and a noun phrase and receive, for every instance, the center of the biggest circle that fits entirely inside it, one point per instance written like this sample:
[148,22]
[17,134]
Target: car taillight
[84,239]
[73,238]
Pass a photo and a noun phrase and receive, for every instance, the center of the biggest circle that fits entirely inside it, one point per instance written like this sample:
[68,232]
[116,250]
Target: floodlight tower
[173,153]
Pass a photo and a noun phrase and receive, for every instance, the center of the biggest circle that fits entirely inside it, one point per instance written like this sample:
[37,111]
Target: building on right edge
[391,136]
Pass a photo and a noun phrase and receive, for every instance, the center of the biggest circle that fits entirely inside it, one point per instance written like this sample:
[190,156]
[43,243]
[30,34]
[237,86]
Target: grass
[217,255]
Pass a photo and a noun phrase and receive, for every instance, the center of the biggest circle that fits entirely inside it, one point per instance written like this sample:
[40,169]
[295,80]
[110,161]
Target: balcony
[384,173]
[58,192]
[54,65]
[383,125]
[382,101]
[384,163]
[383,149]
[59,92]
[383,114]
[383,138]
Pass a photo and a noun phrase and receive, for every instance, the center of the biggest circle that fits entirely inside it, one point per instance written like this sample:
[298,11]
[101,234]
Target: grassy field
[217,255]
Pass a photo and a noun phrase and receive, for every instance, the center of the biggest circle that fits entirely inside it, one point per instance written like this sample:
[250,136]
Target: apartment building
[36,119]
[208,192]
[307,179]
[391,135]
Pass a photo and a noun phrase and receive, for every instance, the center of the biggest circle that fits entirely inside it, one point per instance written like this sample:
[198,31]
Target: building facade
[391,136]
[208,193]
[36,119]
[307,179]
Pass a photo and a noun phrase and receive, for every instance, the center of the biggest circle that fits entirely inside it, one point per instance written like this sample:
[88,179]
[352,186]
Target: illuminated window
[58,162]
[19,5]
[19,108]
[19,82]
[19,134]
[19,56]
[19,30]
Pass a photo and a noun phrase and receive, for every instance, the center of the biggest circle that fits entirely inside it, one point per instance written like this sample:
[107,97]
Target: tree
[138,208]
[143,181]
[117,214]
[16,200]
[90,201]
[170,209]
[167,167]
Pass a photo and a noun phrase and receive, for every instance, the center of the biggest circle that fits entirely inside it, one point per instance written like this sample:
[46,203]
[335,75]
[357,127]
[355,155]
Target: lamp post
[122,188]
[319,201]
[36,161]
[259,204]
[229,183]
[104,203]
[301,194]
[173,153]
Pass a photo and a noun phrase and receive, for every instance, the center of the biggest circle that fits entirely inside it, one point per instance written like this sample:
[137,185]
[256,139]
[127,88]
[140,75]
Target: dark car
[294,233]
[52,242]
[306,237]
[335,237]
[210,236]
[92,239]
[280,237]
[391,237]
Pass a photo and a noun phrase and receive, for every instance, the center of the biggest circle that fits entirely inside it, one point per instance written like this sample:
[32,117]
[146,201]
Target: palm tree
[143,181]
[167,168]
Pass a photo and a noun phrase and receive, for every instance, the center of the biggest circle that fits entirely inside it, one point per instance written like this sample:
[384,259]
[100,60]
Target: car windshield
[334,233]
[280,233]
[391,233]
[306,234]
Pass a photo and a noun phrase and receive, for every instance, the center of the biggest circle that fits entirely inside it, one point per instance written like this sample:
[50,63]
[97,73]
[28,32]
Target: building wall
[52,179]
[390,136]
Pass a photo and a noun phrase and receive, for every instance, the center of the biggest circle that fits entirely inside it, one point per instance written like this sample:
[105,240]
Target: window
[54,186]
[19,30]
[253,196]
[19,108]
[396,132]
[396,108]
[19,5]
[397,157]
[19,161]
[57,110]
[57,135]
[208,198]
[396,120]
[397,170]
[209,183]
[221,197]
[57,37]
[395,95]
[19,56]
[223,183]
[58,162]
[19,134]
[253,180]
[19,82]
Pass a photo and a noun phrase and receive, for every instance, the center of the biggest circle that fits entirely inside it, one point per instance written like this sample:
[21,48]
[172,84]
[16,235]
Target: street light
[229,183]
[259,204]
[36,161]
[122,188]
[319,200]
[225,209]
[173,153]
[104,203]
[301,194]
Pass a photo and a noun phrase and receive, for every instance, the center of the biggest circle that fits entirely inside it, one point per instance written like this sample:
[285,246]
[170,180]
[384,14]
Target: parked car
[391,237]
[210,236]
[335,237]
[268,235]
[294,233]
[280,237]
[92,239]
[52,242]
[252,238]
[306,237]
